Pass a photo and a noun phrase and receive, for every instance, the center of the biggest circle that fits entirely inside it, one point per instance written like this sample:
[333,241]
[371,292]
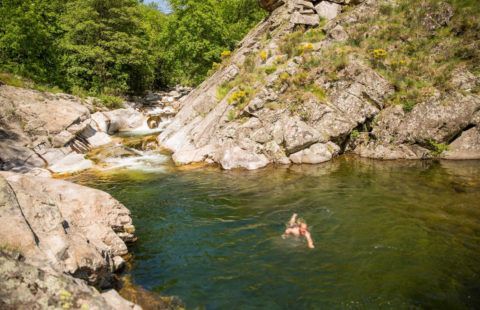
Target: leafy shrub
[437,148]
[111,102]
[238,96]
[226,54]
[270,69]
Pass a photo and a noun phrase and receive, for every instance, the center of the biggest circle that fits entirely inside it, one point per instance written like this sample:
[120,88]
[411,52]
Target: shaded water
[387,234]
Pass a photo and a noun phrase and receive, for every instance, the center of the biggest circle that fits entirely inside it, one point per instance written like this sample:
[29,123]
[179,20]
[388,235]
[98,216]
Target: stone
[12,156]
[271,5]
[338,34]
[436,15]
[467,146]
[439,120]
[316,154]
[233,157]
[62,138]
[64,227]
[118,263]
[115,301]
[300,19]
[328,10]
[124,120]
[44,113]
[297,135]
[462,79]
[392,151]
[24,286]
[100,122]
[71,163]
[53,155]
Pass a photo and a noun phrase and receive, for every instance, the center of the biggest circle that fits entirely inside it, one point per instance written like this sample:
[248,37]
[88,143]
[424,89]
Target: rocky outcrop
[57,229]
[63,226]
[294,111]
[24,286]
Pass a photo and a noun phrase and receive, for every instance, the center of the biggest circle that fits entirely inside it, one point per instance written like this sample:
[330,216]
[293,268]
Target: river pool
[393,235]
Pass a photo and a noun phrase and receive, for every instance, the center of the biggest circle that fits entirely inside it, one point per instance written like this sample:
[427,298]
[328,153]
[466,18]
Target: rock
[124,120]
[62,138]
[100,122]
[117,302]
[64,227]
[463,80]
[44,113]
[467,146]
[271,5]
[232,157]
[338,34]
[24,286]
[118,263]
[297,135]
[328,10]
[53,155]
[71,163]
[315,154]
[301,19]
[392,151]
[436,15]
[12,156]
[438,120]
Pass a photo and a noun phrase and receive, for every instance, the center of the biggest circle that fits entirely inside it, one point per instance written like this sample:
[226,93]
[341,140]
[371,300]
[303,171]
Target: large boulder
[316,154]
[63,226]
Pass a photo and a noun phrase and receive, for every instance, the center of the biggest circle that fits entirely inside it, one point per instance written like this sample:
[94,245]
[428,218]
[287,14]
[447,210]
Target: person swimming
[298,228]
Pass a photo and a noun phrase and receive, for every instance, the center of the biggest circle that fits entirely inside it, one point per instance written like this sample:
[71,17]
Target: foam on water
[144,130]
[145,161]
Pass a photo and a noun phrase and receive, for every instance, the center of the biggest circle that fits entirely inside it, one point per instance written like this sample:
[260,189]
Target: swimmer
[297,228]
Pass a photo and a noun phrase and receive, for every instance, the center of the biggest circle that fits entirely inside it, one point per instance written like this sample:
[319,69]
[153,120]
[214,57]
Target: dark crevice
[458,134]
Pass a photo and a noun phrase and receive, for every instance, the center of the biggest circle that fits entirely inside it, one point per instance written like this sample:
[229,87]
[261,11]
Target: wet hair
[301,221]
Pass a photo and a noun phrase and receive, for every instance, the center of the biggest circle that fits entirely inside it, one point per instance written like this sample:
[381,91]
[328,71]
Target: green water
[388,235]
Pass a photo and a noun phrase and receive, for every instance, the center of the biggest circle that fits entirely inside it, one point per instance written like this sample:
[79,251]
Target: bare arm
[287,232]
[293,219]
[309,240]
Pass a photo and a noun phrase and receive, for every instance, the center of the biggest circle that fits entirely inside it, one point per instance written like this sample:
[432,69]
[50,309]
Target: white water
[144,130]
[149,161]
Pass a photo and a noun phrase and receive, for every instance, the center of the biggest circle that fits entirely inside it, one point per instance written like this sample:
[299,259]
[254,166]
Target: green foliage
[354,134]
[270,69]
[111,102]
[223,90]
[238,96]
[105,47]
[232,115]
[437,148]
[197,32]
[94,47]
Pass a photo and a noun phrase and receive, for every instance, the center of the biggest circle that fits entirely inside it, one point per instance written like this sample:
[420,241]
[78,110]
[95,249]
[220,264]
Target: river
[388,234]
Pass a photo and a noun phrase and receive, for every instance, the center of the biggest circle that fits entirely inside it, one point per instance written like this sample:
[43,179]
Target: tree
[28,32]
[105,48]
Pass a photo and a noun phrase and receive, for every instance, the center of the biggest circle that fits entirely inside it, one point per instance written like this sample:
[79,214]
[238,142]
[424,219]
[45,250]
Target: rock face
[23,286]
[286,119]
[63,227]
